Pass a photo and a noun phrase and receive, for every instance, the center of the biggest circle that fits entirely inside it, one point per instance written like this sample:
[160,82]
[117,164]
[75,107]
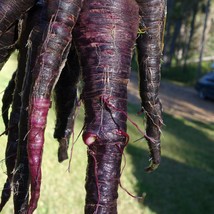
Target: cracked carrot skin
[149,46]
[49,64]
[11,11]
[105,37]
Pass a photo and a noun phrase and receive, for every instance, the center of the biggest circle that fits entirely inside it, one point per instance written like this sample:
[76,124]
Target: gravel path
[177,100]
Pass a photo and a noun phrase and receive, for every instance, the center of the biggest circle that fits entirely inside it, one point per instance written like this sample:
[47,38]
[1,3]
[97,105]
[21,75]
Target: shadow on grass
[178,187]
[194,141]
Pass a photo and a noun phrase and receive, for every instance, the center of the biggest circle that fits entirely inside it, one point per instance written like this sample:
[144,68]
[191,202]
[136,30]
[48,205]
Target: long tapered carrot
[35,24]
[49,64]
[16,136]
[65,102]
[7,100]
[105,37]
[149,45]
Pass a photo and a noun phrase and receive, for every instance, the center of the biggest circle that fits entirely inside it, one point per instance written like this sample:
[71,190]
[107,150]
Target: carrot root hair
[150,45]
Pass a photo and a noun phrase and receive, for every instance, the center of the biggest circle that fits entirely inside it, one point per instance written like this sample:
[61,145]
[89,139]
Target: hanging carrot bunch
[59,42]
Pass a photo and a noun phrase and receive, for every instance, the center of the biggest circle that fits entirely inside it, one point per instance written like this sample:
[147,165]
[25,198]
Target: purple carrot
[7,44]
[65,102]
[149,45]
[35,23]
[105,37]
[16,136]
[49,64]
[7,100]
[11,11]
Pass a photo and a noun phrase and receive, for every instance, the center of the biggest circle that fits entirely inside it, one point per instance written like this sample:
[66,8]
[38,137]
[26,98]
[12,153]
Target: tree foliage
[184,31]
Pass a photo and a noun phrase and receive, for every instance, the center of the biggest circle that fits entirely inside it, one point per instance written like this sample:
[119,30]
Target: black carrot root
[21,170]
[11,11]
[7,44]
[36,21]
[49,64]
[10,154]
[10,159]
[105,37]
[66,101]
[149,45]
[7,100]
[12,131]
[5,194]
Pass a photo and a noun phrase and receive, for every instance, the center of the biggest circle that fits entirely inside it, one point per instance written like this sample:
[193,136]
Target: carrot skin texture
[14,135]
[105,57]
[32,25]
[10,11]
[7,44]
[38,116]
[22,175]
[149,47]
[48,67]
[11,149]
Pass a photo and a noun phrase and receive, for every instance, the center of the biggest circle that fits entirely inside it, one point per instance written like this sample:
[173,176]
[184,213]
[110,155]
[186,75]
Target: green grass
[187,76]
[183,184]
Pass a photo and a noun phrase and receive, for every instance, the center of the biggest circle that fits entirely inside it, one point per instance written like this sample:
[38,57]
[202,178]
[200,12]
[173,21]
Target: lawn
[183,184]
[189,76]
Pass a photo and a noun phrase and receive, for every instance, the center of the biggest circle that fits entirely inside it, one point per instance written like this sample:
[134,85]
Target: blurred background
[184,182]
[189,39]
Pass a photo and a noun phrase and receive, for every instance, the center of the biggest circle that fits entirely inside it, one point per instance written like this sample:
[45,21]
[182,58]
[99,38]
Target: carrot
[7,100]
[66,100]
[7,44]
[48,66]
[35,23]
[11,11]
[105,37]
[16,136]
[5,194]
[12,131]
[10,159]
[149,46]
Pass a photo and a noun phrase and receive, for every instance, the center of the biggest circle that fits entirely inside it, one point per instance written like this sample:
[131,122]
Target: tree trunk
[203,38]
[176,34]
[169,23]
[192,30]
